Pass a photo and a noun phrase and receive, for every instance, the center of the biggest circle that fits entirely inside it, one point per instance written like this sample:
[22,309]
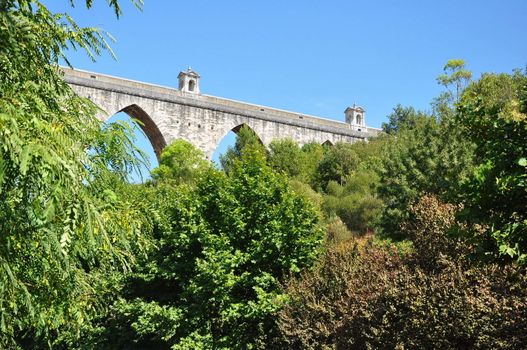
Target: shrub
[337,231]
[370,297]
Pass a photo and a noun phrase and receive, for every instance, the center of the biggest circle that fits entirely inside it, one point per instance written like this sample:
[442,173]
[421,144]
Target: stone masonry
[169,114]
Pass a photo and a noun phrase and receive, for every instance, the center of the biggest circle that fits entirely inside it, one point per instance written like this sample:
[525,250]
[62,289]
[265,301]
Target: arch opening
[191,85]
[148,126]
[146,136]
[327,143]
[359,119]
[228,140]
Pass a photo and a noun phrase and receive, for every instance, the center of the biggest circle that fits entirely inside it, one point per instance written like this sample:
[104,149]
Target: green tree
[402,118]
[181,163]
[338,162]
[430,158]
[312,154]
[245,137]
[356,203]
[300,163]
[455,78]
[493,114]
[61,222]
[286,156]
[223,248]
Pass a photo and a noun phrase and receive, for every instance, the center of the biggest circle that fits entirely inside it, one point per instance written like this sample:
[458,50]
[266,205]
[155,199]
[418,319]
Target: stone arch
[148,126]
[327,143]
[236,129]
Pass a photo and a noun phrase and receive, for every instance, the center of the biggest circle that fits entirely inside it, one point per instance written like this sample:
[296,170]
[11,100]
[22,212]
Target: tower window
[359,119]
[191,85]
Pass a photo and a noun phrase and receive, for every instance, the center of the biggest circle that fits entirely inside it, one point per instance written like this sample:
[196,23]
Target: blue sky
[314,57]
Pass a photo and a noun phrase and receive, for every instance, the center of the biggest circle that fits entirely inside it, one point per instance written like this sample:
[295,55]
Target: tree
[300,163]
[356,203]
[223,248]
[61,223]
[430,158]
[181,163]
[455,79]
[493,114]
[312,154]
[245,137]
[286,156]
[401,118]
[338,162]
[456,75]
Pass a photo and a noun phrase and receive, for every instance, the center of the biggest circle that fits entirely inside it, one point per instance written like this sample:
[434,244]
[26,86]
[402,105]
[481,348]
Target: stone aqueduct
[168,114]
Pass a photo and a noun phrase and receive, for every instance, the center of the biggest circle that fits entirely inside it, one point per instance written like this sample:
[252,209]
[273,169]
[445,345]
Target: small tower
[355,116]
[189,81]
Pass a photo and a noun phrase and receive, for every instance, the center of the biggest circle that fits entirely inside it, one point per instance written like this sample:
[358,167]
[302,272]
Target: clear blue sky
[315,57]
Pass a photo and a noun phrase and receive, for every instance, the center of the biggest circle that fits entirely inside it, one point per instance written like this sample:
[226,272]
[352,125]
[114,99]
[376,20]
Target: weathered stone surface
[169,114]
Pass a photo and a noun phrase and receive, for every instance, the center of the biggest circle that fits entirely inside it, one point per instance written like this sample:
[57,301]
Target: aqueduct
[168,114]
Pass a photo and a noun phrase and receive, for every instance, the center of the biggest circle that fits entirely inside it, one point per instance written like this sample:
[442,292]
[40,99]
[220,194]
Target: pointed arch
[148,126]
[237,129]
[327,143]
[226,139]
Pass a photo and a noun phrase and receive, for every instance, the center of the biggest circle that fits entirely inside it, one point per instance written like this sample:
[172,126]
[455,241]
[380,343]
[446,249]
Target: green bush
[356,202]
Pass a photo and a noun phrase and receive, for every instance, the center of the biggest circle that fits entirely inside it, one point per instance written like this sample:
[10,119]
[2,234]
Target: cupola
[189,81]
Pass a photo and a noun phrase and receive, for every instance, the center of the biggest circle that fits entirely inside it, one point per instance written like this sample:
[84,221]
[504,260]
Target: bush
[493,114]
[370,297]
[356,203]
[337,231]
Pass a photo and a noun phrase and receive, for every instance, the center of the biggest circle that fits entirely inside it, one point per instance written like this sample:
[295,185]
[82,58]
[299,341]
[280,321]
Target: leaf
[24,160]
[2,172]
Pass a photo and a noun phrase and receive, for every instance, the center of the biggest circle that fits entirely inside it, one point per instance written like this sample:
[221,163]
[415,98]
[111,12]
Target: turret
[189,81]
[355,116]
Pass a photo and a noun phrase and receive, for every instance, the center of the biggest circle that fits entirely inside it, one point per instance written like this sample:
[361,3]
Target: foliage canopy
[224,246]
[61,223]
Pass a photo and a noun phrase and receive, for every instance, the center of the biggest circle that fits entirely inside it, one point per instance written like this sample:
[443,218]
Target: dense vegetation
[415,239]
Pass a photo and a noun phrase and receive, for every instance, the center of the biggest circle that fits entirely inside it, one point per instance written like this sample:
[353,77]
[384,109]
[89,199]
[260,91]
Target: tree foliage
[61,223]
[455,78]
[286,156]
[223,247]
[180,163]
[493,114]
[356,203]
[338,162]
[402,118]
[245,137]
[300,163]
[431,157]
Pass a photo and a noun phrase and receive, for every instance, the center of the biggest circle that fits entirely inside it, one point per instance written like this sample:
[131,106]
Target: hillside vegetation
[416,239]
